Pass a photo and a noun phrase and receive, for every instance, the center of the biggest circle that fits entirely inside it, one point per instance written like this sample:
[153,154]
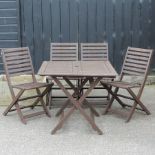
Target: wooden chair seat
[33,85]
[122,84]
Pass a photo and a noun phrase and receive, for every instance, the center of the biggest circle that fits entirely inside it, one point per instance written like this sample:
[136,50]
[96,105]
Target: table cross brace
[77,104]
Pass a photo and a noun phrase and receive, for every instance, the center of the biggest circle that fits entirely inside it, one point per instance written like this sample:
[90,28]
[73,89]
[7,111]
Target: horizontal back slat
[64,52]
[21,73]
[17,61]
[136,61]
[17,57]
[128,72]
[64,59]
[94,51]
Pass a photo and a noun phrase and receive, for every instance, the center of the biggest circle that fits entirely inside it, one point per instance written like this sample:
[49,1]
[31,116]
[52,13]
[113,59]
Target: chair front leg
[114,96]
[14,101]
[137,101]
[20,113]
[41,99]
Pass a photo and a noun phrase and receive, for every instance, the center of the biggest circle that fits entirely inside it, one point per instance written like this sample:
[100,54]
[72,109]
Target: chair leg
[112,99]
[45,92]
[50,99]
[42,101]
[131,112]
[20,114]
[14,101]
[137,101]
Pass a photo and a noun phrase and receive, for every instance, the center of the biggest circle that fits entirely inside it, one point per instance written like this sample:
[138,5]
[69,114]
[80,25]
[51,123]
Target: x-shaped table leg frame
[77,104]
[77,92]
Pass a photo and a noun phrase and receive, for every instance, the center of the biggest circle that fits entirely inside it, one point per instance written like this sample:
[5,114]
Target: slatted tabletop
[77,68]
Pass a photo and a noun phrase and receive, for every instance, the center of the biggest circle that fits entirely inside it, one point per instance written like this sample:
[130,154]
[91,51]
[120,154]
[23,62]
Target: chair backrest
[17,61]
[137,61]
[94,51]
[64,52]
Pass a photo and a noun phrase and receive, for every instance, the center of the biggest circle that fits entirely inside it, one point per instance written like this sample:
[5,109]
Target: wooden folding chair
[17,61]
[95,52]
[61,52]
[136,63]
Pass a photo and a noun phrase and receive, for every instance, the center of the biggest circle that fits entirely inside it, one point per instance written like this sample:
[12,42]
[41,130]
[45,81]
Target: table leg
[92,108]
[76,91]
[77,104]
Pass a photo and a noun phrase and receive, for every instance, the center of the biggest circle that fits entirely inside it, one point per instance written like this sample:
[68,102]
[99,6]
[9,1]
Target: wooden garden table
[92,71]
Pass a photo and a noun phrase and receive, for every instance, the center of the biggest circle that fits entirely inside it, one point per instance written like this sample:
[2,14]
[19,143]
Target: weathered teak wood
[78,69]
[77,105]
[17,61]
[61,52]
[137,62]
[92,71]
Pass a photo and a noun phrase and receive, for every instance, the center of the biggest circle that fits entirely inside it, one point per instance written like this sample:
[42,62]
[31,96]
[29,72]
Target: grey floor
[77,137]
